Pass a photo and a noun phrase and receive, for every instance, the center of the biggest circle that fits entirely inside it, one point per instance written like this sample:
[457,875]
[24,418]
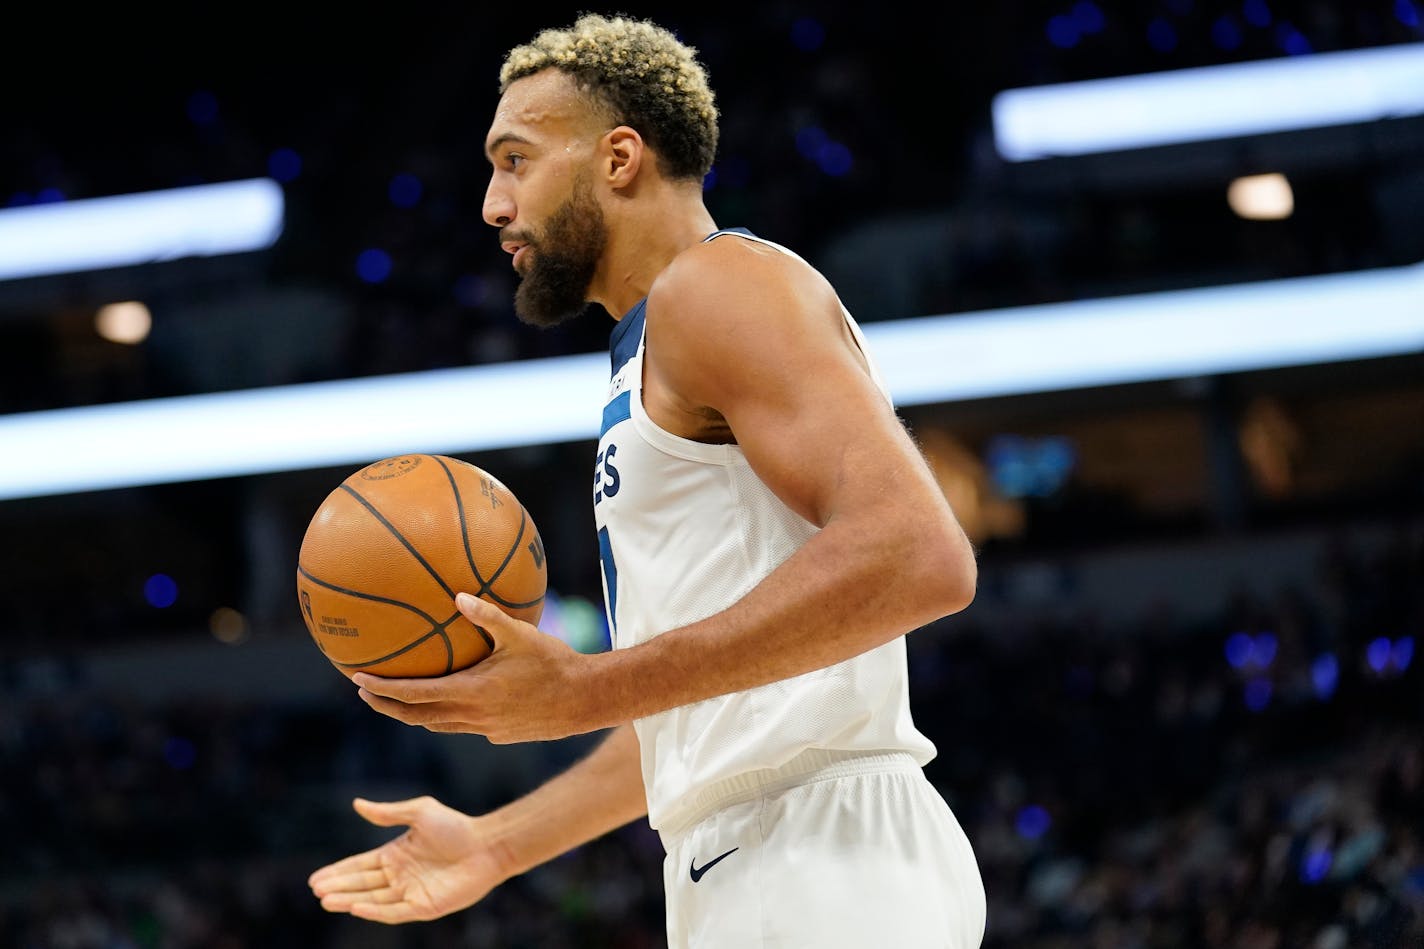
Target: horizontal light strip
[1149,337]
[130,229]
[287,428]
[1209,102]
[1012,351]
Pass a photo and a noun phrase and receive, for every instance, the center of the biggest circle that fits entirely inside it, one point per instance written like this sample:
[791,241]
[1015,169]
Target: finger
[484,614]
[401,912]
[347,902]
[358,882]
[401,712]
[369,860]
[409,691]
[389,813]
[453,728]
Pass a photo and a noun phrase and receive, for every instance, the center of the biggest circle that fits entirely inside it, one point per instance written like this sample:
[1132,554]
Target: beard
[554,289]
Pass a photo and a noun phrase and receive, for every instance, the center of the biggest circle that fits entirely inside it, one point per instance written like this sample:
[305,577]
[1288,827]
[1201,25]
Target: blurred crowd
[1255,781]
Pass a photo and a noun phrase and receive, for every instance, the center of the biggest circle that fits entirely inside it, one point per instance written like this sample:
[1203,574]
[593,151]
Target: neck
[643,238]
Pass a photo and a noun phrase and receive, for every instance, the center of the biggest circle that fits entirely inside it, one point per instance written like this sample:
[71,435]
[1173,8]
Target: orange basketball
[388,550]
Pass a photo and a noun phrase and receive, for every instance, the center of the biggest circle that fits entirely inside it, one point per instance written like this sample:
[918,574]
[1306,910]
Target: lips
[519,257]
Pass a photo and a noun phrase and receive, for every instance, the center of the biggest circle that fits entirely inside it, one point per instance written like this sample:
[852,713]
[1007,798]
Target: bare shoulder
[734,283]
[734,316]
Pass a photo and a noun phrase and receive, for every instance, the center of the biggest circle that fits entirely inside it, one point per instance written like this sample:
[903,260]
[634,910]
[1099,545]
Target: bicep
[772,353]
[818,431]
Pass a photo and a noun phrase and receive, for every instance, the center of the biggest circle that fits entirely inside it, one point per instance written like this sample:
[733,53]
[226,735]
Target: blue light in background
[1292,41]
[1256,13]
[284,164]
[1032,822]
[179,753]
[1314,864]
[1238,650]
[1089,16]
[709,180]
[577,621]
[1180,7]
[834,159]
[160,591]
[807,34]
[1325,675]
[1406,12]
[1226,34]
[49,196]
[1063,31]
[19,199]
[810,140]
[1024,467]
[1258,694]
[203,107]
[1263,650]
[373,265]
[831,156]
[1162,35]
[1403,653]
[405,190]
[1377,654]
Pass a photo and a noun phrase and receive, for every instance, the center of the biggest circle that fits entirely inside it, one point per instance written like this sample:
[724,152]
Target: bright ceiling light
[1261,197]
[127,322]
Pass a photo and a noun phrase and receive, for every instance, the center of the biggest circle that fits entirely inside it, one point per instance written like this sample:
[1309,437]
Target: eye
[514,159]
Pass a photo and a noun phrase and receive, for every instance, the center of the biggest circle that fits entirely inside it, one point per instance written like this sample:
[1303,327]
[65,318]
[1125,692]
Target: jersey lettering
[606,481]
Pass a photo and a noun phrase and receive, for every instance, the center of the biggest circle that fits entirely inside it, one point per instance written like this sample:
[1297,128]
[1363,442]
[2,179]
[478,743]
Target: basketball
[388,550]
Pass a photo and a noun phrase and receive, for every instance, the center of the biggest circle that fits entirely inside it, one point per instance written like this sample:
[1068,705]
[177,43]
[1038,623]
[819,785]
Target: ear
[622,156]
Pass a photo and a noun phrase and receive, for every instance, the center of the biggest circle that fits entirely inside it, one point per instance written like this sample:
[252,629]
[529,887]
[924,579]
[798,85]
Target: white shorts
[860,852]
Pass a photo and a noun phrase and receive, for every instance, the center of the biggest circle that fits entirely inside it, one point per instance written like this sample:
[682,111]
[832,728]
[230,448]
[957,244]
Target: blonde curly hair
[641,75]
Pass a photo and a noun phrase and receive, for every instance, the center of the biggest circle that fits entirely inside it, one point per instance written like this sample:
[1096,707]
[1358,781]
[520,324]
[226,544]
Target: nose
[498,207]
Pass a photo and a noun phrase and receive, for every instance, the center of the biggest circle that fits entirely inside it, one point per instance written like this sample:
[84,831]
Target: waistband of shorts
[811,765]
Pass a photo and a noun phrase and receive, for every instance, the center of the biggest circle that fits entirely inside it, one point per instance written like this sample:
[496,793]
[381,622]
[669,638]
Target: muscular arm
[556,817]
[769,353]
[742,342]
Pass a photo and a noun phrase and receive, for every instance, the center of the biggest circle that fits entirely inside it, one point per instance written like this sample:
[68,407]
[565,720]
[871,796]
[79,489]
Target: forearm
[596,795]
[852,587]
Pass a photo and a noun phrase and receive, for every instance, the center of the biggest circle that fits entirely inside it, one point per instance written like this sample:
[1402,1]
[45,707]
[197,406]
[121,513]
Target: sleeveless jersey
[684,530]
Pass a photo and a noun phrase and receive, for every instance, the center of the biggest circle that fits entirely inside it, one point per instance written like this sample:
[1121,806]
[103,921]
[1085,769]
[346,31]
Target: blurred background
[1182,711]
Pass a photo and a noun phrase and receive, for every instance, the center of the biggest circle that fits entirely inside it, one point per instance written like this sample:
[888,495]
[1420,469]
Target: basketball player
[769,535]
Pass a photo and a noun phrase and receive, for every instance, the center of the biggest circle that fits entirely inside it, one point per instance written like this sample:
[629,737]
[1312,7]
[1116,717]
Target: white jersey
[685,529]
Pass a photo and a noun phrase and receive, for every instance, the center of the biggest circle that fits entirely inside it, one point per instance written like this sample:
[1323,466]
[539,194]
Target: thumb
[388,813]
[482,612]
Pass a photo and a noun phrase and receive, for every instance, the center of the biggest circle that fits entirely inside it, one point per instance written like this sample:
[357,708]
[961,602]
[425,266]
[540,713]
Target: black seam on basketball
[436,629]
[521,606]
[513,549]
[464,530]
[400,537]
[487,586]
[370,596]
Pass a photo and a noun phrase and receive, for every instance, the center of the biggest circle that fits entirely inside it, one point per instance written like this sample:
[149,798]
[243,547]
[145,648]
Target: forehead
[537,107]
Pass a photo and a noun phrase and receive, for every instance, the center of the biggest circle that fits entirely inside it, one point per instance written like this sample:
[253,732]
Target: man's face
[541,196]
[560,260]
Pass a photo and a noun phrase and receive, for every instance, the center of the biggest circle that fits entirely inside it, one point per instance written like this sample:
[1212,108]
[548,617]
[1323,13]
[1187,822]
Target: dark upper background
[862,141]
[909,211]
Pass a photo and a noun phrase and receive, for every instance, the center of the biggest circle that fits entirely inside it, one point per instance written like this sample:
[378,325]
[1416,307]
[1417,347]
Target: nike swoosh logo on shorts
[696,872]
